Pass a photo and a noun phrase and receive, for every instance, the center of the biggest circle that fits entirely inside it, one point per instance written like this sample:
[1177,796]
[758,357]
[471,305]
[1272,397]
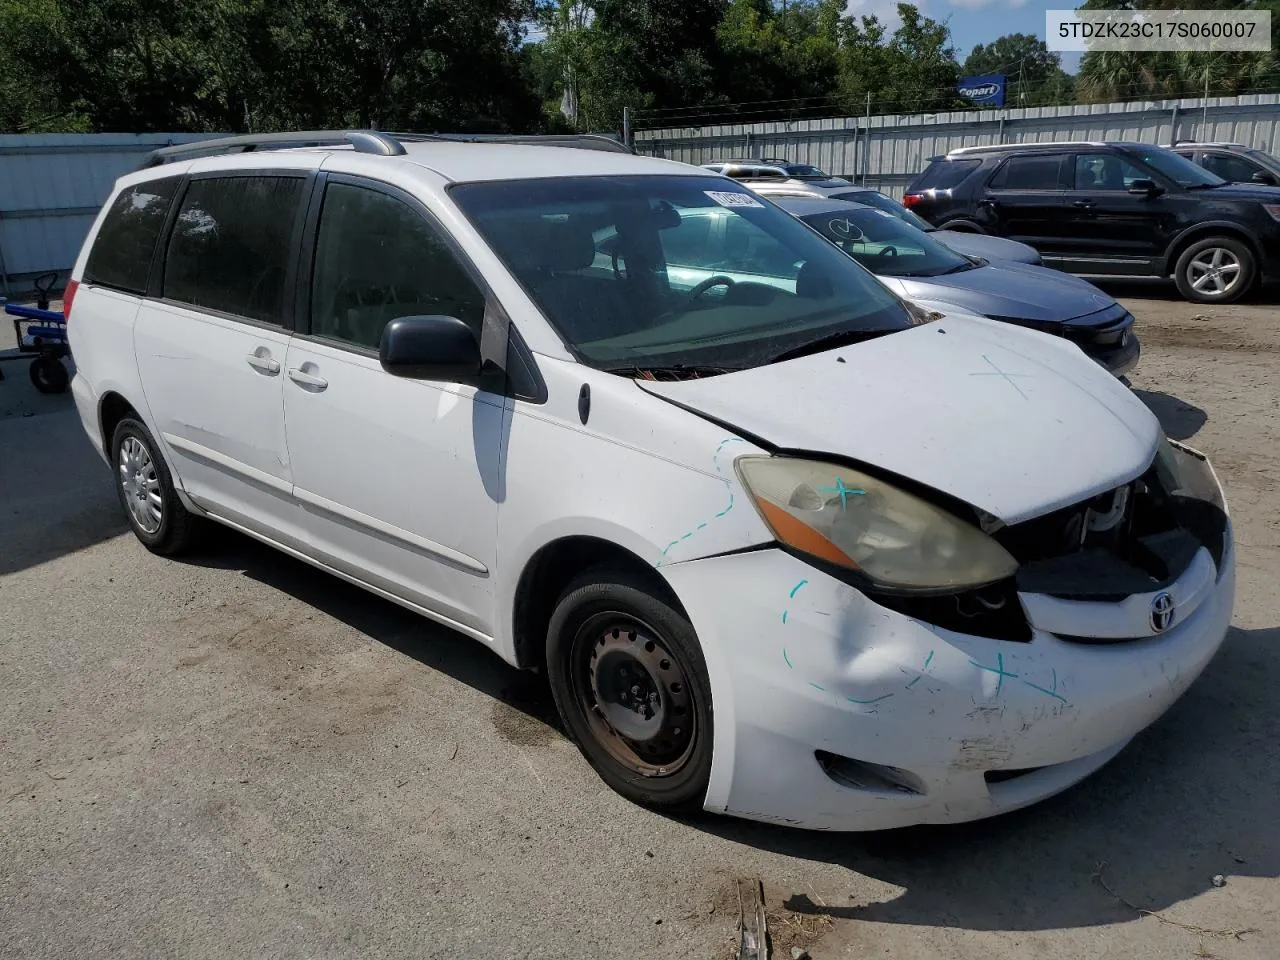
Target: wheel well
[546,575]
[111,411]
[1204,233]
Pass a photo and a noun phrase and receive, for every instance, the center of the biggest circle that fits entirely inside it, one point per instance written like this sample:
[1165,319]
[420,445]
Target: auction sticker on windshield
[727,199]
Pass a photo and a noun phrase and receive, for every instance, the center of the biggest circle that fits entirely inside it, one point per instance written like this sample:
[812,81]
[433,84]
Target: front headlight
[1184,472]
[858,522]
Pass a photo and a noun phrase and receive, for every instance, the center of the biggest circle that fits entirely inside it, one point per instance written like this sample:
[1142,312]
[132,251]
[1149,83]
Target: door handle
[1084,204]
[988,202]
[298,375]
[264,364]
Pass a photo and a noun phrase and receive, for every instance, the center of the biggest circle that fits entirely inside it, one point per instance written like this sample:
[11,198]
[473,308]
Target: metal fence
[51,188]
[888,151]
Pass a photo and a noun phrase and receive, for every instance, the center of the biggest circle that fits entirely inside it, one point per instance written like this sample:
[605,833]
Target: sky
[977,21]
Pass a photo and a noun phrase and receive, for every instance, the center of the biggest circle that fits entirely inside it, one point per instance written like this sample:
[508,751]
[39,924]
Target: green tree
[1129,75]
[777,52]
[1035,74]
[912,70]
[269,64]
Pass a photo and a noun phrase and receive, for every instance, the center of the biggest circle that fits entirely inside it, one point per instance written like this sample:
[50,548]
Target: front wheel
[631,685]
[1215,270]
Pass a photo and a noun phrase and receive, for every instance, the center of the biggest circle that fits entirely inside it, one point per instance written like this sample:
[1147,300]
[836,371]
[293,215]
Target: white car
[787,551]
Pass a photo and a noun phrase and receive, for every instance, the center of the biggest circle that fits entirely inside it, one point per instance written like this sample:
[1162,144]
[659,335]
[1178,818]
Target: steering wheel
[717,281]
[889,252]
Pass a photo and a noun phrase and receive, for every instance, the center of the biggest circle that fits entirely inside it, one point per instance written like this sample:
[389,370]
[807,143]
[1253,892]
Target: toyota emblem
[1162,610]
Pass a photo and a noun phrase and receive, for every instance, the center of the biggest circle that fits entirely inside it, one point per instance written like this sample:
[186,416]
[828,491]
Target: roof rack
[366,141]
[1210,143]
[1000,147]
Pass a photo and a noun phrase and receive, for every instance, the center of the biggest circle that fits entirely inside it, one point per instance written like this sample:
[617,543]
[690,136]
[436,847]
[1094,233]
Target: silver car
[912,263]
[837,188]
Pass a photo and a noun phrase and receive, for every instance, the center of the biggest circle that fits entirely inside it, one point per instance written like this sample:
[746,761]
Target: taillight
[67,296]
[911,199]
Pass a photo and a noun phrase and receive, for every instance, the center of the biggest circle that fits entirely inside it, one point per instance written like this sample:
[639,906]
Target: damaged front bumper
[844,715]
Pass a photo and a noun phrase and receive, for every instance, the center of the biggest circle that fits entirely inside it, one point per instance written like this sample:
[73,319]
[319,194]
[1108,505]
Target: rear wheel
[48,375]
[631,685]
[145,488]
[1215,270]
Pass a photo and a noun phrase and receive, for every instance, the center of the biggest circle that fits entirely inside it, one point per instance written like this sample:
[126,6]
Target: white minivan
[785,546]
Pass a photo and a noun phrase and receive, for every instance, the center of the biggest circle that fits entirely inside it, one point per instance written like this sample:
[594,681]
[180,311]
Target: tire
[962,226]
[1215,253]
[48,375]
[147,495]
[610,637]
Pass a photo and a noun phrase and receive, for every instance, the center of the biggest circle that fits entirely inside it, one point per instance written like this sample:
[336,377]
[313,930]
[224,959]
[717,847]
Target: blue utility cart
[42,332]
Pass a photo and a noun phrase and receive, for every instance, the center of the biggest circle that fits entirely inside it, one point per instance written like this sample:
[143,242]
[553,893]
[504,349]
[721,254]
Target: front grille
[1135,538]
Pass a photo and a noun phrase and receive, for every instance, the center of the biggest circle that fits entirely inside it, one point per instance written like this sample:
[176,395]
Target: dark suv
[1119,209]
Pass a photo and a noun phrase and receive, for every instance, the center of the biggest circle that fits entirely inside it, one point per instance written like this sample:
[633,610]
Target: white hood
[1014,422]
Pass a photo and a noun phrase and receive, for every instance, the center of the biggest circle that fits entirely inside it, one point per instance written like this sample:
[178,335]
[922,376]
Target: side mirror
[1144,187]
[430,348]
[1264,178]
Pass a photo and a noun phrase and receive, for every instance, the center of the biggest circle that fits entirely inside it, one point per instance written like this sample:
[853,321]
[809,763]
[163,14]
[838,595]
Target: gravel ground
[237,755]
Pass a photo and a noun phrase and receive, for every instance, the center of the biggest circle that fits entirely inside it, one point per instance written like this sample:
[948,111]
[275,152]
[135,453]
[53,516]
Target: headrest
[813,283]
[566,245]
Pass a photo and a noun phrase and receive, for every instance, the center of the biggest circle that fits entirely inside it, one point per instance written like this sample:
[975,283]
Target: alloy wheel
[1214,271]
[141,484]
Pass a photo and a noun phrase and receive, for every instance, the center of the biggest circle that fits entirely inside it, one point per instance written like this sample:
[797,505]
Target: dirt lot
[239,756]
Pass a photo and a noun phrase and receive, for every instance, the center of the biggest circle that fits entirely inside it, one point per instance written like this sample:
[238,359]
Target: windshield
[884,244]
[659,271]
[804,170]
[1178,169]
[876,199]
[1264,157]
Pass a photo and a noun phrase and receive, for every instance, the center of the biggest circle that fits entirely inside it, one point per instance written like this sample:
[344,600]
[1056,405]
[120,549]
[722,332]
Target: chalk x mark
[998,670]
[997,372]
[844,492]
[1053,693]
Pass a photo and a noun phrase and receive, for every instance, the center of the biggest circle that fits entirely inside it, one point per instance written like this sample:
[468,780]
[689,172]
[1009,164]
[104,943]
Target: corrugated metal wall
[51,187]
[889,151]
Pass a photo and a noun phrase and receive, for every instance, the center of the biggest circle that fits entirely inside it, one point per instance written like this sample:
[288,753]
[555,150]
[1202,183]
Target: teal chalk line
[715,460]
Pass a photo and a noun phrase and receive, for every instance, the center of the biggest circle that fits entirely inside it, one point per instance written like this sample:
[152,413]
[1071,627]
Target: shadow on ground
[56,494]
[431,644]
[1181,420]
[1192,797]
[1151,288]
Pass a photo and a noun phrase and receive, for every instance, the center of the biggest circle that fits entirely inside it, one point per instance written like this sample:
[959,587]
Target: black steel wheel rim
[634,693]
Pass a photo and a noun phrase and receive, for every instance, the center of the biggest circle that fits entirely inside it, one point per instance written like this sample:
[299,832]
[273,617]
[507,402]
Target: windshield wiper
[668,371]
[829,342]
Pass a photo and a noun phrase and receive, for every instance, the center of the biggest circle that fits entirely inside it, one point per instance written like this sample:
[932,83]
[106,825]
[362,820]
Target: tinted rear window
[944,174]
[121,254]
[1029,173]
[231,244]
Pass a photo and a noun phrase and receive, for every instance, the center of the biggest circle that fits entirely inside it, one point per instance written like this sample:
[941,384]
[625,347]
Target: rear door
[1025,201]
[211,342]
[399,480]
